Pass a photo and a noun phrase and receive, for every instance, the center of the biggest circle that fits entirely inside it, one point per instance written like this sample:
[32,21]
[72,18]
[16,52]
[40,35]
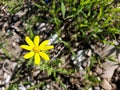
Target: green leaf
[30,61]
[5,51]
[114,30]
[100,13]
[50,71]
[115,10]
[63,9]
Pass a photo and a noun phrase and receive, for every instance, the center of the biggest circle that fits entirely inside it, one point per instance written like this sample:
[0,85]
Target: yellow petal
[29,55]
[44,56]
[47,47]
[37,59]
[29,41]
[44,43]
[26,47]
[36,40]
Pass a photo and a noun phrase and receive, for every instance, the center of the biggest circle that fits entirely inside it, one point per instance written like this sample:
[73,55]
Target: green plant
[81,22]
[13,6]
[52,68]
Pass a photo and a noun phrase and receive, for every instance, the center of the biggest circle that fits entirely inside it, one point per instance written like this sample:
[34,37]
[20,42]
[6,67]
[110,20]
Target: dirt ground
[15,74]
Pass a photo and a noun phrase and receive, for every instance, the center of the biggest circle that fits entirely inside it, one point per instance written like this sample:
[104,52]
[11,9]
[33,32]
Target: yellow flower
[36,50]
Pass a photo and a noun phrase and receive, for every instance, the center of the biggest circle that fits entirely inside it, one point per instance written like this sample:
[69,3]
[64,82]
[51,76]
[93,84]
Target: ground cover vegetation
[82,37]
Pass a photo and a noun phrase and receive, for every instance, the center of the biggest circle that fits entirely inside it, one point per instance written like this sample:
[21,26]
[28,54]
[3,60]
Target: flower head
[37,51]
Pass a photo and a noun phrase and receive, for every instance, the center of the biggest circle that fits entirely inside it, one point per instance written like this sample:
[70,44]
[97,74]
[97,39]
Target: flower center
[36,49]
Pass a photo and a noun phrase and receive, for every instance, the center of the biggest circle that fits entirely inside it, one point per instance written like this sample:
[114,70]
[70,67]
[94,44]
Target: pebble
[53,39]
[3,88]
[7,79]
[75,62]
[32,83]
[5,75]
[90,88]
[86,63]
[81,68]
[97,88]
[22,87]
[81,59]
[15,18]
[0,82]
[99,71]
[106,85]
[42,27]
[28,86]
[48,86]
[36,73]
[88,52]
